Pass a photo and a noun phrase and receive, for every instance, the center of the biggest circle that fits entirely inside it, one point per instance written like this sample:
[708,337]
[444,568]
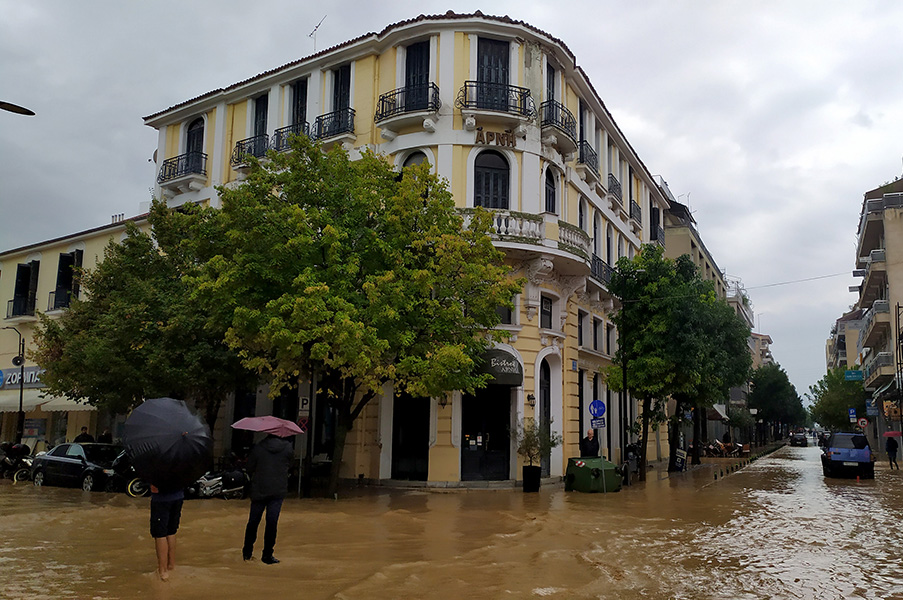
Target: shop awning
[503,366]
[65,404]
[31,398]
[885,391]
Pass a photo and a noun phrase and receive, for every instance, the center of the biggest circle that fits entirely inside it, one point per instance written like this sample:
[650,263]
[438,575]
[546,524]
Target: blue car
[848,454]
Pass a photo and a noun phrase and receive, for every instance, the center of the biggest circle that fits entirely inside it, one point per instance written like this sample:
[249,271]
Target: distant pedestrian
[589,446]
[165,514]
[891,447]
[84,437]
[268,465]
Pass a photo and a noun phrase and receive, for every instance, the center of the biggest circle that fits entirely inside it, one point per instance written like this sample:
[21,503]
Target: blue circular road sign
[597,408]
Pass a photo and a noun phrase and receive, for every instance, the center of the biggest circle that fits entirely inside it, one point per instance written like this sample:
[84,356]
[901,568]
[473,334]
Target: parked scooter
[229,484]
[17,460]
[125,479]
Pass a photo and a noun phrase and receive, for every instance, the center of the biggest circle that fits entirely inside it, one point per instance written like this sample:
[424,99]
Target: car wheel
[20,475]
[38,479]
[137,487]
[88,482]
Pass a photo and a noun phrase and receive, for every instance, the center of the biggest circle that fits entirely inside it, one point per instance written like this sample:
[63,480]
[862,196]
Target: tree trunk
[697,435]
[342,426]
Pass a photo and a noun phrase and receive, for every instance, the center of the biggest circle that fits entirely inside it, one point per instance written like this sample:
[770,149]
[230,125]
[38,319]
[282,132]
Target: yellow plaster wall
[445,459]
[462,70]
[236,122]
[366,92]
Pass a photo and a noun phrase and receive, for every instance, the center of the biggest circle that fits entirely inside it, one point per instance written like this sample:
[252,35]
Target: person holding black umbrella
[268,465]
[165,514]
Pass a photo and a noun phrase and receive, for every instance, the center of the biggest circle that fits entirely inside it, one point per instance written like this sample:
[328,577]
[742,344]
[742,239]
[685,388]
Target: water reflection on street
[774,529]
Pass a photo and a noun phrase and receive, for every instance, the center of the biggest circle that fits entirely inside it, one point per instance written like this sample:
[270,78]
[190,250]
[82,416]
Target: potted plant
[533,442]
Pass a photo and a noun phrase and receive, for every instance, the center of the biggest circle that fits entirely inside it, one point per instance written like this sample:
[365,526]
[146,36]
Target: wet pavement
[773,529]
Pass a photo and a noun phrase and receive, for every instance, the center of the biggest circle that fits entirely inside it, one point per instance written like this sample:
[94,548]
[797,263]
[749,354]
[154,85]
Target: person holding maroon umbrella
[268,464]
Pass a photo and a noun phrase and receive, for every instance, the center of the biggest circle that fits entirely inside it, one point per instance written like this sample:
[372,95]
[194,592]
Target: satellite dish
[15,108]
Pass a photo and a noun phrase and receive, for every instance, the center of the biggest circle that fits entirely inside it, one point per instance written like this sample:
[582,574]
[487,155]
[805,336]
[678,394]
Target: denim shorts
[164,517]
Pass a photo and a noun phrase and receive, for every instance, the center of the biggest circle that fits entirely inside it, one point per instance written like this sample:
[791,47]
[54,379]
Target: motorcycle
[17,461]
[229,484]
[125,478]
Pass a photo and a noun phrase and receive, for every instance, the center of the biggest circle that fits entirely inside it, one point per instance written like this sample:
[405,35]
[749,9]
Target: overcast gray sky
[769,118]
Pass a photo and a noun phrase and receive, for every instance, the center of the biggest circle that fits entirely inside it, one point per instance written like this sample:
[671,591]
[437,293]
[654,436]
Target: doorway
[410,438]
[486,434]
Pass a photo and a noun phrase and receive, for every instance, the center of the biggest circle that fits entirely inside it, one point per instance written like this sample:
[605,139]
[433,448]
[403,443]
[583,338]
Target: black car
[799,439]
[85,465]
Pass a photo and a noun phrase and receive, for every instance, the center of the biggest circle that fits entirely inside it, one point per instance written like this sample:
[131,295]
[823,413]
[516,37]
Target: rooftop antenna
[313,34]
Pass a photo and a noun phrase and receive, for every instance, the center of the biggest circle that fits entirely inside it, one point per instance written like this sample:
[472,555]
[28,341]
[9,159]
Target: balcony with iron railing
[281,137]
[410,105]
[587,162]
[876,325]
[636,213]
[871,221]
[659,234]
[875,282]
[337,124]
[601,270]
[501,103]
[614,187]
[184,173]
[256,146]
[559,126]
[20,306]
[60,301]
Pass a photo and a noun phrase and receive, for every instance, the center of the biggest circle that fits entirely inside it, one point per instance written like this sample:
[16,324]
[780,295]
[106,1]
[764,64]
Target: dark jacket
[268,466]
[589,447]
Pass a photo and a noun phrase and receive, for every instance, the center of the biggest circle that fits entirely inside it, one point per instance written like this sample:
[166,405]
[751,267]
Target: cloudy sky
[770,118]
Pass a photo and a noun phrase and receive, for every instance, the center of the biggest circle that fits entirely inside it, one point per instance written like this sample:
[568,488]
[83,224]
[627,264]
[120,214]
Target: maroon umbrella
[268,424]
[893,434]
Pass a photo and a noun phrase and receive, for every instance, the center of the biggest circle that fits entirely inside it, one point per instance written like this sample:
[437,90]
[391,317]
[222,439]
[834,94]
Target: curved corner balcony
[407,106]
[496,103]
[184,173]
[559,126]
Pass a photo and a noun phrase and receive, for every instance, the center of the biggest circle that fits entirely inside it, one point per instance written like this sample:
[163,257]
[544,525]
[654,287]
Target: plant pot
[532,476]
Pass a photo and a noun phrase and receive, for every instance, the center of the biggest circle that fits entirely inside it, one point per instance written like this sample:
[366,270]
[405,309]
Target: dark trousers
[272,506]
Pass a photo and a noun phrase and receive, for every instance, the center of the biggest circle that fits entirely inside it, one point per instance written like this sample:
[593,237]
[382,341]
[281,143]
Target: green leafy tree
[137,335]
[832,397]
[347,270]
[777,401]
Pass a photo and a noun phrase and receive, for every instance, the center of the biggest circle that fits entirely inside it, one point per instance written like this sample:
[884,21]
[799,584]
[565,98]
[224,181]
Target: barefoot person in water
[165,513]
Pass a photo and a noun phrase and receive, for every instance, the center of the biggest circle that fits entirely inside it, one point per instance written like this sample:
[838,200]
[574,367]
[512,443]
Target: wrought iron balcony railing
[660,236]
[588,156]
[614,186]
[253,146]
[20,306]
[334,123]
[502,97]
[601,270]
[407,99]
[636,213]
[281,136]
[184,164]
[59,301]
[555,114]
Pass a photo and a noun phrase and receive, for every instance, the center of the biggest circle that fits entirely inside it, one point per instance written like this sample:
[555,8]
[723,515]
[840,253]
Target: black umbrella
[169,446]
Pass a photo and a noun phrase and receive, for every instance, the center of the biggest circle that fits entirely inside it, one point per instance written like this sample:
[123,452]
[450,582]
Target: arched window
[415,158]
[597,236]
[609,244]
[620,246]
[551,192]
[491,180]
[581,214]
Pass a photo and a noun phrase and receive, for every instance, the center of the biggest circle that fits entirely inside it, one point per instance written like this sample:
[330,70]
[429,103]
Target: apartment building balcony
[507,105]
[335,127]
[636,216]
[875,282]
[281,137]
[559,126]
[59,301]
[877,325]
[184,173]
[601,270]
[658,236]
[588,163]
[871,222]
[407,106]
[20,308]
[879,371]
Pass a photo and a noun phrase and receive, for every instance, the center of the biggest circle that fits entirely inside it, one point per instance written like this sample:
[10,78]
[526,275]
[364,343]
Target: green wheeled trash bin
[591,474]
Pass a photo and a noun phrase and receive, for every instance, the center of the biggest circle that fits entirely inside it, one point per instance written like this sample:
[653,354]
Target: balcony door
[194,146]
[417,76]
[492,74]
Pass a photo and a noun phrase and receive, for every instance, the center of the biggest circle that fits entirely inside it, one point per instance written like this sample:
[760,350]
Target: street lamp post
[19,361]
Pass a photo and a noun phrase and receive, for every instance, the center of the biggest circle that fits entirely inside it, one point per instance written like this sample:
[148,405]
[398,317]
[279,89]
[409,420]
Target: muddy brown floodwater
[774,529]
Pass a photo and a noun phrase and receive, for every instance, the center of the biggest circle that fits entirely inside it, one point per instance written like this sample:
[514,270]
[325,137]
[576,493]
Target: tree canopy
[137,334]
[832,397]
[318,264]
[775,397]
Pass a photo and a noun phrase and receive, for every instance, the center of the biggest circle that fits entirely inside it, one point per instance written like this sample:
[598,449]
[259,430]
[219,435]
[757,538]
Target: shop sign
[10,378]
[499,138]
[503,366]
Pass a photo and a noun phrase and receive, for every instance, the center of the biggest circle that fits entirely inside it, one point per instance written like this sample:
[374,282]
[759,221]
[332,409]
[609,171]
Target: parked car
[848,454]
[799,439]
[85,465]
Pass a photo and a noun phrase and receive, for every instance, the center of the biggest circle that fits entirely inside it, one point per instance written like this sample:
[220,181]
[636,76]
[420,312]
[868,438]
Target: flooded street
[774,529]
